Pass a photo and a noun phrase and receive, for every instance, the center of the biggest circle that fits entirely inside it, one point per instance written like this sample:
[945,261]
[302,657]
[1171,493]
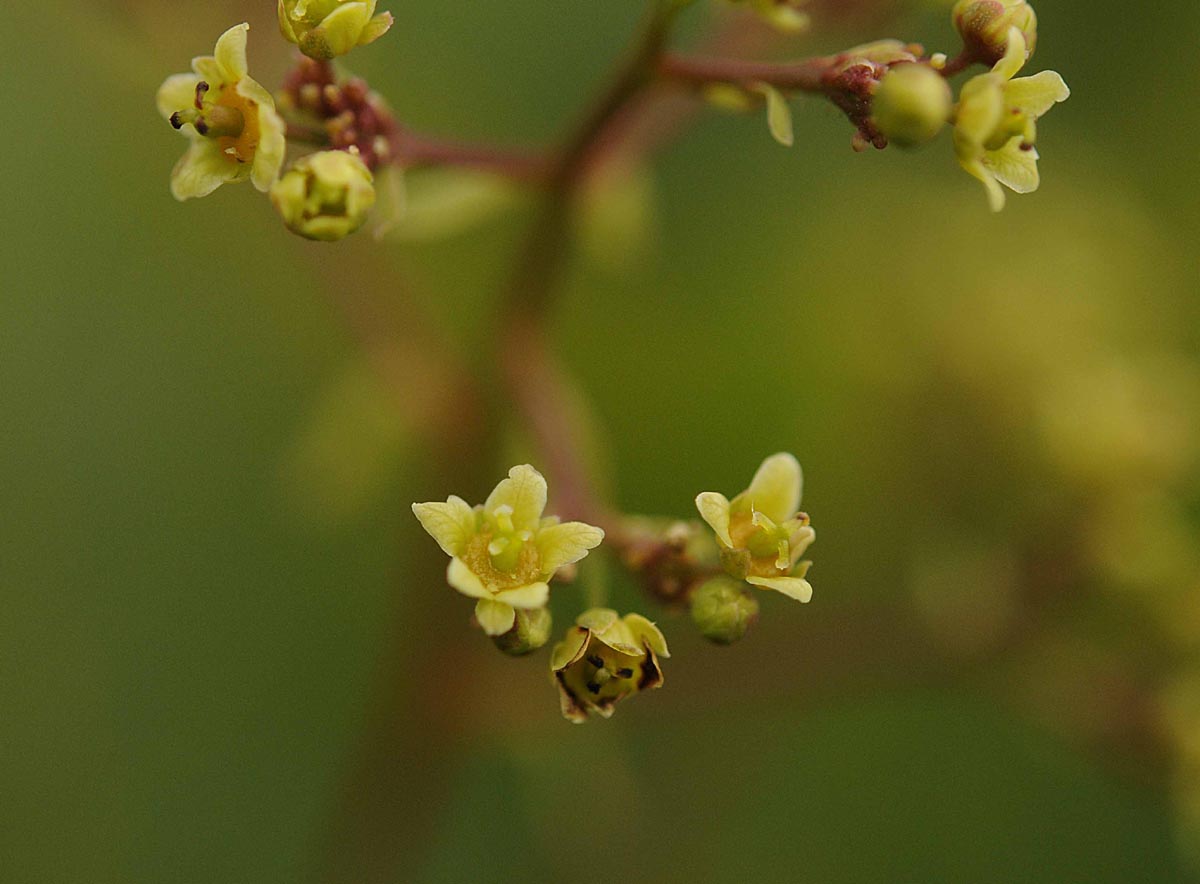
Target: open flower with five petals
[603,659]
[995,123]
[760,532]
[229,119]
[504,553]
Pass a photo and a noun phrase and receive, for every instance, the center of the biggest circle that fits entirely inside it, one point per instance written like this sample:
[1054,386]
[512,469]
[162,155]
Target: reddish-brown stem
[410,149]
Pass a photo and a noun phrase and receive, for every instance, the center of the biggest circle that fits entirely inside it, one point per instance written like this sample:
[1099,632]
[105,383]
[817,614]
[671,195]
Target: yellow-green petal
[647,633]
[451,524]
[177,92]
[980,107]
[230,53]
[343,27]
[525,491]
[376,28]
[207,68]
[775,489]
[1013,167]
[566,543]
[1037,94]
[569,649]
[285,23]
[793,587]
[496,618]
[202,169]
[465,580]
[597,619]
[995,192]
[779,115]
[714,509]
[533,595]
[1014,55]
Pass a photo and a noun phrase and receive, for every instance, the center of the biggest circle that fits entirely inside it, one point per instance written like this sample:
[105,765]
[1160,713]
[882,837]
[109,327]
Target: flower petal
[285,23]
[376,28]
[1014,167]
[534,595]
[597,619]
[176,93]
[343,27]
[1014,55]
[525,491]
[272,145]
[793,587]
[775,489]
[980,107]
[995,192]
[496,618]
[202,169]
[647,633]
[451,524]
[714,509]
[564,544]
[230,53]
[570,648]
[1037,94]
[465,580]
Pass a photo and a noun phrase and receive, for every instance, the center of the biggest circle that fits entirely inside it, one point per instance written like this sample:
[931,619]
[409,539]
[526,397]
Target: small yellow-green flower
[995,123]
[603,659]
[760,532]
[328,28]
[783,15]
[984,26]
[326,195]
[229,118]
[504,552]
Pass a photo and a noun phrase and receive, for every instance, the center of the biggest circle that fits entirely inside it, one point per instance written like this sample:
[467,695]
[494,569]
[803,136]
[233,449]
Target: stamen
[593,687]
[596,660]
[201,90]
[625,673]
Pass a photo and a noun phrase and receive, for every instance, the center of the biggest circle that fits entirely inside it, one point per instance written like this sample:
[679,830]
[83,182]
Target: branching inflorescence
[506,552]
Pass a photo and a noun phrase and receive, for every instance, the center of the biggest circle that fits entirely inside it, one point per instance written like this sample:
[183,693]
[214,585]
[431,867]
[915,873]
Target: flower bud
[328,28]
[984,25]
[325,196]
[529,632]
[911,104]
[723,611]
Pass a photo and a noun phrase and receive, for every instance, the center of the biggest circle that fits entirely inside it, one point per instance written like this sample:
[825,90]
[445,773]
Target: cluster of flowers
[505,552]
[995,118]
[236,133]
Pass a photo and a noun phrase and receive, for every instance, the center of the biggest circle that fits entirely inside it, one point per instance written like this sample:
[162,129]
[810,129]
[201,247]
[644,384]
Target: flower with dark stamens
[603,659]
[229,118]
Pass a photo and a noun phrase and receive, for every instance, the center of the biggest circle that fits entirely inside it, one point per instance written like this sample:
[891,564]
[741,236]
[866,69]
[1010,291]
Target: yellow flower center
[229,118]
[503,557]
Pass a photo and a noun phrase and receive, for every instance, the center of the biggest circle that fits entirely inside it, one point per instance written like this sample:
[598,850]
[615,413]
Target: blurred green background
[226,651]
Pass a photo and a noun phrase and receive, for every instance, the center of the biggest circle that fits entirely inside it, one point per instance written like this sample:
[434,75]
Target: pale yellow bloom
[603,659]
[504,552]
[229,119]
[760,532]
[995,123]
[328,28]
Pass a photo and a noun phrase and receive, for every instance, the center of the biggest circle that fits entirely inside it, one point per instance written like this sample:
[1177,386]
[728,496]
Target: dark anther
[201,88]
[596,660]
[201,126]
[1025,145]
[625,673]
[175,121]
[593,687]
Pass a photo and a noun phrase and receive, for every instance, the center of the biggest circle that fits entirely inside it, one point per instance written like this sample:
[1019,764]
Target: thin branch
[807,75]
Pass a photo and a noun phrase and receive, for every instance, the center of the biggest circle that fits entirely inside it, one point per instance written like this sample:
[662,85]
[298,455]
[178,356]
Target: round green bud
[911,104]
[529,632]
[984,25]
[325,196]
[723,610]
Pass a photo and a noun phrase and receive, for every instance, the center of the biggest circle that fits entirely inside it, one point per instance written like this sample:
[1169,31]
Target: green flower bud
[984,25]
[723,610]
[530,630]
[328,28]
[325,196]
[911,104]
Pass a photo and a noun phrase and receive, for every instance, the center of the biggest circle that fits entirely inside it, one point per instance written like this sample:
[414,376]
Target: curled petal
[714,509]
[995,192]
[496,618]
[1014,55]
[569,649]
[465,580]
[230,53]
[598,620]
[647,634]
[376,28]
[793,587]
